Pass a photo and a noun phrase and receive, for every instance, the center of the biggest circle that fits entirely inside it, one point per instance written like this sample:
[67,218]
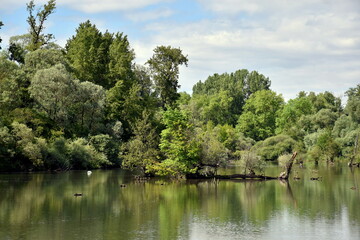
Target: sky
[307,45]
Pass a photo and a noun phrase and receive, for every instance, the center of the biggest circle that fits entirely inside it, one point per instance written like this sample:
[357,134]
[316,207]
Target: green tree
[44,59]
[353,104]
[213,152]
[178,145]
[87,54]
[11,87]
[251,162]
[121,60]
[258,120]
[141,151]
[124,105]
[88,107]
[36,23]
[292,112]
[54,91]
[164,66]
[28,145]
[237,86]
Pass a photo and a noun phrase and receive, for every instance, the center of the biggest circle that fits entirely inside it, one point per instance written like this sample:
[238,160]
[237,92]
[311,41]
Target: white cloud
[88,6]
[142,16]
[94,6]
[310,49]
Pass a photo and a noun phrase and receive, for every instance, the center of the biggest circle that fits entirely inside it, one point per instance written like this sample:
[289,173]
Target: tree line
[89,105]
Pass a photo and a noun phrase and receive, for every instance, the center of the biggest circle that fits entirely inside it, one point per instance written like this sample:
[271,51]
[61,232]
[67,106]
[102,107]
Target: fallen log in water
[283,176]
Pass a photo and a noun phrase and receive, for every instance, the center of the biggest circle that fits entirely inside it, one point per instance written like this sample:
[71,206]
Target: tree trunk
[285,175]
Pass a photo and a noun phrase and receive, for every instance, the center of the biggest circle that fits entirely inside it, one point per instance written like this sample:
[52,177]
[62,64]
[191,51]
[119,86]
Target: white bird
[89,173]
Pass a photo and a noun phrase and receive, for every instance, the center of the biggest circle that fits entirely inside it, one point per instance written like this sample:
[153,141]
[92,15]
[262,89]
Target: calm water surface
[43,206]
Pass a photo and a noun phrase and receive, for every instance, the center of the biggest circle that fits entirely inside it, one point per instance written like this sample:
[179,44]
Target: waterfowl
[78,194]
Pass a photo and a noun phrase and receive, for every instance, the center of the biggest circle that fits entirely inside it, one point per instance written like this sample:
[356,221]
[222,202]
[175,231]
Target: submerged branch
[283,176]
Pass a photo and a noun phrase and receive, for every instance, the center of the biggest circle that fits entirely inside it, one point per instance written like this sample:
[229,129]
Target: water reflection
[43,206]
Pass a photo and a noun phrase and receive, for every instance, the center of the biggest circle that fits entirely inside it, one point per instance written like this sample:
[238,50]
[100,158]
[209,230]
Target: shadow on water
[114,205]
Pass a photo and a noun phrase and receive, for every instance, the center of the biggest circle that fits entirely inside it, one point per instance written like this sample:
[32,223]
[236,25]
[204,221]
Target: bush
[251,162]
[84,156]
[271,148]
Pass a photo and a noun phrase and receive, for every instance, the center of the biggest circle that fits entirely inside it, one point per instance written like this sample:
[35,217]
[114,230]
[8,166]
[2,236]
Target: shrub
[271,148]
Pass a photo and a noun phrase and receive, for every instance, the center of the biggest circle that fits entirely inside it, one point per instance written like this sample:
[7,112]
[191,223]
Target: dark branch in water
[283,176]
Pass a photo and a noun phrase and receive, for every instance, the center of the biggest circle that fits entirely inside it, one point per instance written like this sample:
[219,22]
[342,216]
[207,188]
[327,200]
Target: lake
[43,206]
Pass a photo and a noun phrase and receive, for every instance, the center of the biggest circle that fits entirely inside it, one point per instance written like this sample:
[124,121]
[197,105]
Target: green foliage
[103,59]
[241,84]
[121,58]
[107,145]
[76,106]
[215,108]
[164,66]
[353,104]
[325,100]
[7,149]
[272,147]
[86,52]
[233,139]
[36,23]
[178,145]
[325,118]
[18,47]
[141,151]
[44,59]
[11,86]
[87,107]
[251,162]
[260,113]
[283,159]
[213,152]
[221,97]
[83,155]
[322,145]
[292,111]
[28,145]
[124,105]
[54,91]
[56,154]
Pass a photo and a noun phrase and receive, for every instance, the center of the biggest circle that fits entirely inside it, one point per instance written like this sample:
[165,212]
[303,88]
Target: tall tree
[121,58]
[353,104]
[85,55]
[164,65]
[37,21]
[178,144]
[141,151]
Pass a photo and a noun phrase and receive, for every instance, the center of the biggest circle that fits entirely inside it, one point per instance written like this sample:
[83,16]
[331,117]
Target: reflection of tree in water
[44,204]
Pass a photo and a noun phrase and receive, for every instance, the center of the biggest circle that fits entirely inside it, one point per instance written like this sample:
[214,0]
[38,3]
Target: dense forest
[89,105]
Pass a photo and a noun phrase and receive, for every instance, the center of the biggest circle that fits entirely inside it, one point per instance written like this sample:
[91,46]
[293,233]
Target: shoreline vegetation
[89,106]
